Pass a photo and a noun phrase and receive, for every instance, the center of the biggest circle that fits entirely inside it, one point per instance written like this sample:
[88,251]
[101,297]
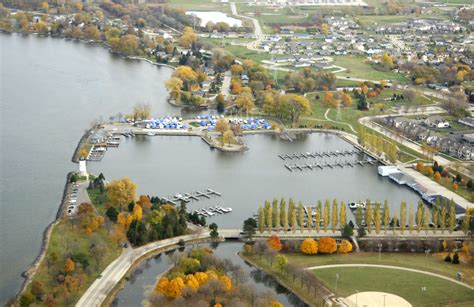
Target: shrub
[456,258]
[347,231]
[345,247]
[448,258]
[309,247]
[327,245]
[275,243]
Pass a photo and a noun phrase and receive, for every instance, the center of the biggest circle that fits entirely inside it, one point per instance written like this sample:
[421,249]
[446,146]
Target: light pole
[357,292]
[379,245]
[335,290]
[427,251]
[384,299]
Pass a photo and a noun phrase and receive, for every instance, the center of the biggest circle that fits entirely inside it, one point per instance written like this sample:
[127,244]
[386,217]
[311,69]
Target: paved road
[98,291]
[225,88]
[389,267]
[259,36]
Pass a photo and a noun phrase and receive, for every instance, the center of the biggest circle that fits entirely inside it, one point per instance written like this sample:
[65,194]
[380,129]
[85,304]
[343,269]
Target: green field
[402,283]
[199,5]
[243,53]
[359,69]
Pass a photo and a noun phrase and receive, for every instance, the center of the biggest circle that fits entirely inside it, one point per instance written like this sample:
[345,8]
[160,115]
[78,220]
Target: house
[468,121]
[436,121]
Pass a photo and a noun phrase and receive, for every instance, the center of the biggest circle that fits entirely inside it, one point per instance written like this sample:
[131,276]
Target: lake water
[50,92]
[215,17]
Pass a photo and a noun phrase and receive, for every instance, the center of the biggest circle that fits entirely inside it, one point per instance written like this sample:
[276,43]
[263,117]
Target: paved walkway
[111,276]
[319,267]
[259,36]
[225,88]
[327,118]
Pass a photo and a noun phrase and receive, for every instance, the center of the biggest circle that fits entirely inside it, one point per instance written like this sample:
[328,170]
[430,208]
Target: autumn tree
[369,216]
[345,247]
[284,214]
[141,111]
[187,38]
[261,220]
[275,243]
[451,216]
[326,215]
[410,219]
[378,217]
[327,245]
[318,216]
[419,216]
[174,86]
[309,247]
[346,99]
[281,262]
[69,266]
[188,76]
[443,218]
[301,216]
[334,213]
[121,192]
[310,218]
[386,215]
[403,213]
[387,60]
[268,216]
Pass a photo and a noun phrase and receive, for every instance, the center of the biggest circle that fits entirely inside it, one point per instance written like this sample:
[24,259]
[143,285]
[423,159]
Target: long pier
[320,154]
[341,164]
[187,197]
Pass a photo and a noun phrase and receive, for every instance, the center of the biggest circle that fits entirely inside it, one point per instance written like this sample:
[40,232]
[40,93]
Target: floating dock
[341,164]
[187,197]
[307,155]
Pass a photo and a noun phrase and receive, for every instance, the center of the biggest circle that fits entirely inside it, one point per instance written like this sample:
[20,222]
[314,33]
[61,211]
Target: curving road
[102,286]
[259,36]
[389,267]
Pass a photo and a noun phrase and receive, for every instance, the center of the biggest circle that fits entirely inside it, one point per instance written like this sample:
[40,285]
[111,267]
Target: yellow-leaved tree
[345,247]
[121,192]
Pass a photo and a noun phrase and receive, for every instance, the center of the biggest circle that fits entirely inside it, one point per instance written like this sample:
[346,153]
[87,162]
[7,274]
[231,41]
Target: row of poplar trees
[277,216]
[376,143]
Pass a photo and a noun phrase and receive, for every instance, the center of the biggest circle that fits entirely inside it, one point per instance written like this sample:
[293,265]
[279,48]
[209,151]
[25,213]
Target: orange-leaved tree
[309,247]
[275,243]
[69,266]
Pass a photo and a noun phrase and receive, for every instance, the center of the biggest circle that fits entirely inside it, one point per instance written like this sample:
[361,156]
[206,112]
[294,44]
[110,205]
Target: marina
[320,154]
[187,197]
[211,211]
[320,166]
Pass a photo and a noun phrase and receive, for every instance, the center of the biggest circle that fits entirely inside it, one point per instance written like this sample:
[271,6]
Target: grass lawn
[199,5]
[433,263]
[405,284]
[244,53]
[360,69]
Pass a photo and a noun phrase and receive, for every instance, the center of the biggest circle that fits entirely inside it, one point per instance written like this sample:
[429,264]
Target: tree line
[376,143]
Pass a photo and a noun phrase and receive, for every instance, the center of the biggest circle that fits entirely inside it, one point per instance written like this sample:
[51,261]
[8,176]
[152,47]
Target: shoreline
[31,271]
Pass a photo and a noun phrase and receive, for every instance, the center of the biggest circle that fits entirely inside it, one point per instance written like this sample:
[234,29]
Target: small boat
[151,133]
[357,205]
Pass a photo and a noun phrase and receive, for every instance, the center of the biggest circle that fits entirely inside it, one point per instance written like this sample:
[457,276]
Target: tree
[361,231]
[174,86]
[261,220]
[284,213]
[346,99]
[318,216]
[456,258]
[386,215]
[343,214]
[69,266]
[281,262]
[214,233]
[309,247]
[128,44]
[426,219]
[137,212]
[222,125]
[276,215]
[268,216]
[45,7]
[334,216]
[250,225]
[121,191]
[37,289]
[274,243]
[327,245]
[369,216]
[377,217]
[301,216]
[187,38]
[403,216]
[410,219]
[395,220]
[347,231]
[443,217]
[387,60]
[345,247]
[419,216]
[310,218]
[292,210]
[451,216]
[228,137]
[326,215]
[245,102]
[466,222]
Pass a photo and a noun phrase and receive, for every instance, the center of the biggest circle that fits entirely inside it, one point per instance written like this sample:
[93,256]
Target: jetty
[341,164]
[192,196]
[307,155]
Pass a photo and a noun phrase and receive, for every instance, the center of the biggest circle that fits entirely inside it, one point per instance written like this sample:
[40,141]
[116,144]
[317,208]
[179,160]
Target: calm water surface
[50,92]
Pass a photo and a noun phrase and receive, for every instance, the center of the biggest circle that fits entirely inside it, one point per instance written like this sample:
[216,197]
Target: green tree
[426,219]
[326,215]
[386,215]
[310,218]
[261,220]
[378,217]
[419,216]
[276,213]
[452,216]
[281,262]
[268,215]
[395,220]
[347,231]
[358,216]
[284,213]
[466,222]
[318,216]
[292,210]
[435,215]
[403,216]
[334,214]
[301,216]
[250,225]
[410,219]
[443,217]
[343,214]
[369,216]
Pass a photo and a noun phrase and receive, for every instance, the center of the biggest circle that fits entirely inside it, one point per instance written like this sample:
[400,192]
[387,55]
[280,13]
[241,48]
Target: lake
[53,89]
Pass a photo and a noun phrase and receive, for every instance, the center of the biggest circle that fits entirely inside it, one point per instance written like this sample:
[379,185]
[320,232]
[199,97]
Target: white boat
[151,133]
[357,205]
